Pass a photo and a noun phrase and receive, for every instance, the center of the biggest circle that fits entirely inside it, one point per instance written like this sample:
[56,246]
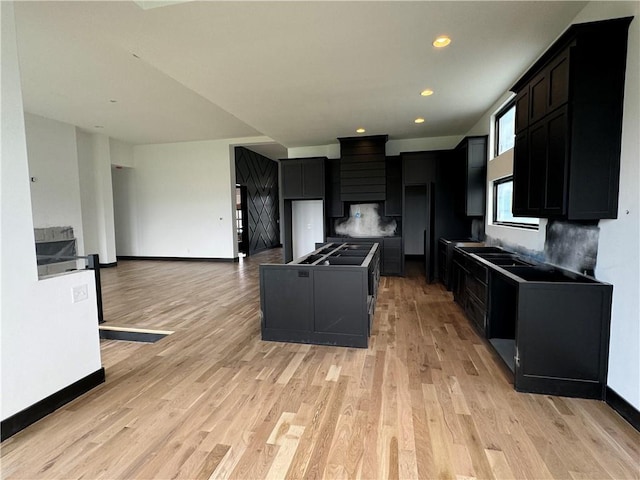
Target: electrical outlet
[79,293]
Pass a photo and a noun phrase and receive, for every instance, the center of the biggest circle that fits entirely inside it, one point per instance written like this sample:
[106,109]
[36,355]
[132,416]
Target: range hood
[362,169]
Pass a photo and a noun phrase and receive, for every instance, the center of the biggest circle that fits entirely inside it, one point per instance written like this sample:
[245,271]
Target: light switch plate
[79,293]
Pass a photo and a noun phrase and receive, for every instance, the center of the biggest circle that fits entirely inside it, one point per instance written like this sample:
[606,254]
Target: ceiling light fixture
[360,130]
[427,92]
[441,41]
[419,120]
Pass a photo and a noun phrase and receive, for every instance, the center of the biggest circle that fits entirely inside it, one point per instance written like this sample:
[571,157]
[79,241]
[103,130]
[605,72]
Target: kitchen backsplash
[570,245]
[364,220]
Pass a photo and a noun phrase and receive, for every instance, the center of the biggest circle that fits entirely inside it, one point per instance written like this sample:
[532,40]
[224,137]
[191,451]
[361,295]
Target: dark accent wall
[260,175]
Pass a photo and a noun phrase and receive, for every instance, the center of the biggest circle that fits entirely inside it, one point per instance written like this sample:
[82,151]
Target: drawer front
[476,313]
[477,289]
[477,270]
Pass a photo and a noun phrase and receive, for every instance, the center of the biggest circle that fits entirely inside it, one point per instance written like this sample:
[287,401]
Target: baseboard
[624,408]
[109,265]
[180,259]
[44,407]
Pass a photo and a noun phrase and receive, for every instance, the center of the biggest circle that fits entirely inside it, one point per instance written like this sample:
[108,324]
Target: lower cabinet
[470,290]
[550,326]
[319,304]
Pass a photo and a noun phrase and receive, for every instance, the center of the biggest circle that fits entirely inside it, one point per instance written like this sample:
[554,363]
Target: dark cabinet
[303,178]
[334,205]
[393,202]
[541,167]
[549,325]
[321,304]
[392,256]
[470,289]
[472,158]
[569,124]
[363,168]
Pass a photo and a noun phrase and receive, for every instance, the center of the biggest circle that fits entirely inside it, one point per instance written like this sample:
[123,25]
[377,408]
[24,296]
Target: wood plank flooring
[427,400]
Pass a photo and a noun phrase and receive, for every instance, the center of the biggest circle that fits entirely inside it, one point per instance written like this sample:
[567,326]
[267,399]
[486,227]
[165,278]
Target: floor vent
[129,334]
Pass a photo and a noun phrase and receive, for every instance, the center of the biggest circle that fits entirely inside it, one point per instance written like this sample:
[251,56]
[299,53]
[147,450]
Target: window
[502,198]
[505,128]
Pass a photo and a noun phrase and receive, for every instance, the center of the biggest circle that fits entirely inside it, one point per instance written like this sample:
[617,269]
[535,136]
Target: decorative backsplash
[572,245]
[364,220]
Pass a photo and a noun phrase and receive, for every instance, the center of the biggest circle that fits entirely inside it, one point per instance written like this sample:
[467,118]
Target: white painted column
[94,162]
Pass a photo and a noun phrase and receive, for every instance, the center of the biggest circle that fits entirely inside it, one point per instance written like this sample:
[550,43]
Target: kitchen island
[326,297]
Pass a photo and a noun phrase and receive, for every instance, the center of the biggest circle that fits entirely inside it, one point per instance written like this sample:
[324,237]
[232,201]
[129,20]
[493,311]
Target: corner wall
[182,197]
[618,258]
[53,163]
[46,342]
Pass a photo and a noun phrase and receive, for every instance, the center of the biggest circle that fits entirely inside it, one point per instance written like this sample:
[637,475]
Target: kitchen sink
[350,253]
[546,274]
[331,260]
[481,250]
[504,259]
[508,262]
[310,259]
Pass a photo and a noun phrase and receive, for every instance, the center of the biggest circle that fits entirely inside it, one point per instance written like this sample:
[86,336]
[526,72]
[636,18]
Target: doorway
[242,221]
[418,226]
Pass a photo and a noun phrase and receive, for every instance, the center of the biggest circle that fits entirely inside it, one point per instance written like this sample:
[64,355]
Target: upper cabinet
[303,178]
[471,156]
[393,202]
[569,125]
[363,168]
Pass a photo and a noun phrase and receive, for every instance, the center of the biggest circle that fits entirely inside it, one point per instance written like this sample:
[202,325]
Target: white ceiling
[301,73]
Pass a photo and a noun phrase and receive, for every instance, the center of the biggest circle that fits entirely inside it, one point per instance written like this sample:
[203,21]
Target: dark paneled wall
[260,176]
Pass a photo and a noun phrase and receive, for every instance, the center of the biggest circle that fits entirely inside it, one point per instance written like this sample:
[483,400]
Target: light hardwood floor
[428,399]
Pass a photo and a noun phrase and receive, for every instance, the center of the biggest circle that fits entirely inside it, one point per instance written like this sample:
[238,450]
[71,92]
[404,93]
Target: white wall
[619,242]
[53,161]
[618,260]
[46,342]
[94,164]
[181,197]
[121,153]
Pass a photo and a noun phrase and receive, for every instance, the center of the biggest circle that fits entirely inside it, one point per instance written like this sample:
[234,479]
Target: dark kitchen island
[327,297]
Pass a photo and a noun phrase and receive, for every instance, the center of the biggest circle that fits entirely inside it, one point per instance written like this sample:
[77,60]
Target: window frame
[499,114]
[495,221]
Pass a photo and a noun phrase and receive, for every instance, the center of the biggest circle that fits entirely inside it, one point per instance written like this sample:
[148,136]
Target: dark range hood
[363,169]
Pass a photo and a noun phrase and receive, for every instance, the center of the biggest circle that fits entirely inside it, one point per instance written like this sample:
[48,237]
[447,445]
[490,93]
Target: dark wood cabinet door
[522,109]
[537,167]
[334,206]
[291,179]
[393,203]
[558,78]
[554,193]
[476,177]
[521,175]
[539,94]
[313,178]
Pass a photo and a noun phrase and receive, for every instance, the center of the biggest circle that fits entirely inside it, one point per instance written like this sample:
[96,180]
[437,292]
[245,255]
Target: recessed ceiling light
[360,130]
[419,120]
[441,41]
[427,92]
